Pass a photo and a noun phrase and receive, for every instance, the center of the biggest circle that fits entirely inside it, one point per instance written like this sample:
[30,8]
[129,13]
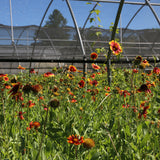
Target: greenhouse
[80,79]
[30,34]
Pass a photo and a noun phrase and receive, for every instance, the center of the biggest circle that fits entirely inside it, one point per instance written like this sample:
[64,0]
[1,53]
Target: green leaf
[91,20]
[127,130]
[97,11]
[133,146]
[98,33]
[76,131]
[139,129]
[2,119]
[98,19]
[100,26]
[151,156]
[117,31]
[158,100]
[98,4]
[95,156]
[98,50]
[145,139]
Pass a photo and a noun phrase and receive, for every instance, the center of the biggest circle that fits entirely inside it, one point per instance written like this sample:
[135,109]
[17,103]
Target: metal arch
[20,35]
[118,1]
[132,18]
[153,11]
[79,35]
[38,33]
[82,30]
[77,29]
[7,30]
[50,40]
[149,4]
[85,25]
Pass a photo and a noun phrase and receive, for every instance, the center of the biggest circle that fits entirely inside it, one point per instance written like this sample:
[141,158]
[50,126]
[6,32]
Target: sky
[30,12]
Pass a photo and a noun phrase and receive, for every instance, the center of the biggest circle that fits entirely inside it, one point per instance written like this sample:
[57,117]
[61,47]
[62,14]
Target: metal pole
[120,24]
[126,2]
[79,36]
[154,13]
[112,38]
[12,36]
[12,33]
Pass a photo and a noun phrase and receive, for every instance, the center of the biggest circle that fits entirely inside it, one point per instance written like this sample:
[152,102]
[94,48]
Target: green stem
[43,135]
[76,152]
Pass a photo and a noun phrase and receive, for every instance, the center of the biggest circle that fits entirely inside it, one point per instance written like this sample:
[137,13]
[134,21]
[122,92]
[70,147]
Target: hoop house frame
[80,34]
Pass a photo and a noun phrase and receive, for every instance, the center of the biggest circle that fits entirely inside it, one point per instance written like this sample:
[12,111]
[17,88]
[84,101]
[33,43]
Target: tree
[56,20]
[53,29]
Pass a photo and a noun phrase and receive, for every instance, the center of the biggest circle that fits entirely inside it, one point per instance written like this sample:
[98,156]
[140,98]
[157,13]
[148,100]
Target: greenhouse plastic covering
[27,32]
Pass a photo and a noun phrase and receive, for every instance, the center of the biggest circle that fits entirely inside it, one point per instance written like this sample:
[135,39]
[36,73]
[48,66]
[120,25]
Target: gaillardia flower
[81,84]
[124,93]
[20,114]
[33,124]
[156,70]
[143,64]
[93,75]
[94,56]
[36,124]
[15,89]
[6,79]
[54,103]
[137,60]
[76,140]
[36,88]
[70,76]
[144,88]
[88,143]
[30,104]
[72,68]
[3,75]
[20,67]
[143,112]
[96,67]
[7,86]
[94,82]
[55,89]
[49,74]
[135,71]
[115,47]
[32,71]
[27,88]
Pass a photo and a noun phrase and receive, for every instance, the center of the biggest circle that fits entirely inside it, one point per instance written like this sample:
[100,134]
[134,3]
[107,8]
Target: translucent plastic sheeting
[57,37]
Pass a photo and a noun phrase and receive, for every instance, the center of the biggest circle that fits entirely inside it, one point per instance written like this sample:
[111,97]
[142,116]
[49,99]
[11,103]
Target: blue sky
[30,12]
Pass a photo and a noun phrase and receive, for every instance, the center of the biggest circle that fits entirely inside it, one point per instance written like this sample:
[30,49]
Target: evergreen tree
[53,29]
